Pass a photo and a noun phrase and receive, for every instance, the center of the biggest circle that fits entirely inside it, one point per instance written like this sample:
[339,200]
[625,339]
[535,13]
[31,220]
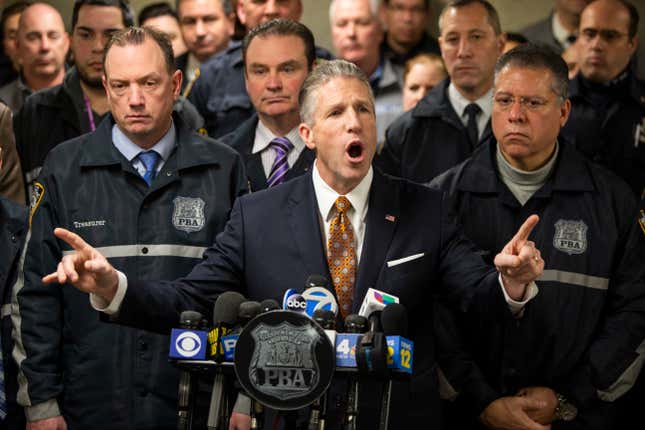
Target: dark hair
[154,10]
[493,17]
[426,4]
[227,6]
[137,36]
[516,37]
[538,57]
[124,5]
[633,18]
[283,27]
[10,11]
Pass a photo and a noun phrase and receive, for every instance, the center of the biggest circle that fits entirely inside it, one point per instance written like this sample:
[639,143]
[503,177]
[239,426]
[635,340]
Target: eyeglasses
[609,36]
[505,102]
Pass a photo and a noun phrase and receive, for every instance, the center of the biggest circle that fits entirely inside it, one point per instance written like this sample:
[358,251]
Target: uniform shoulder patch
[37,193]
[641,220]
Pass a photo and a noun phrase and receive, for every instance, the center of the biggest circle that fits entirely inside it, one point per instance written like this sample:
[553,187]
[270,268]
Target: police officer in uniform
[575,344]
[153,195]
[607,121]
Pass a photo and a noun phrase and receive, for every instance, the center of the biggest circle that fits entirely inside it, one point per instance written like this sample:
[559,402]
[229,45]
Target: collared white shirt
[130,150]
[559,32]
[358,197]
[264,136]
[460,102]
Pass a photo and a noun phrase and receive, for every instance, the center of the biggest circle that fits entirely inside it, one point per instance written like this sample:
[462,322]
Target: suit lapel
[255,171]
[302,215]
[302,165]
[382,218]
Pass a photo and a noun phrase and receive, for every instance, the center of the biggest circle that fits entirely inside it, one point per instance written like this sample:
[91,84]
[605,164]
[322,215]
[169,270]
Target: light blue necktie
[149,160]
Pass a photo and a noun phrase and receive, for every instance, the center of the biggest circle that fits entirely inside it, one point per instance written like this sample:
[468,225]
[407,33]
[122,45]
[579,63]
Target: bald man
[42,46]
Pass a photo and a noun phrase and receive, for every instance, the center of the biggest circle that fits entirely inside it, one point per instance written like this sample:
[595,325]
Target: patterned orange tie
[341,255]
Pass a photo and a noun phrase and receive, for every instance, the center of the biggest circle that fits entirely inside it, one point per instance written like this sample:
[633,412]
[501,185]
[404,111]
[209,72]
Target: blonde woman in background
[421,74]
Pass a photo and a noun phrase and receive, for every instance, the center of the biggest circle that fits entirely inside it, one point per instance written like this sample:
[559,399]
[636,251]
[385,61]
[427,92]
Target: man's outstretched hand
[85,268]
[520,262]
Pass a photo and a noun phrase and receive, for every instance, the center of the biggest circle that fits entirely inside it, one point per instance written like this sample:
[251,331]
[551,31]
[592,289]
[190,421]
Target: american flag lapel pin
[390,218]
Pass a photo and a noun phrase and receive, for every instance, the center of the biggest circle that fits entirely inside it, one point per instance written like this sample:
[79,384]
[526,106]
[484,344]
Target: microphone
[189,321]
[327,320]
[293,301]
[371,349]
[224,318]
[394,320]
[225,313]
[354,324]
[268,305]
[375,300]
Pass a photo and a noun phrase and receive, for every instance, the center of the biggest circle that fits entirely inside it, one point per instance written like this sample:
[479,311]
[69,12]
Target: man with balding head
[42,45]
[607,120]
[220,92]
[144,181]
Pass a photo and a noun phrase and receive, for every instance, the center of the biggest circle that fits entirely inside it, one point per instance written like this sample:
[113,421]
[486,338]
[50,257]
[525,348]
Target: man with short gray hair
[576,345]
[357,34]
[397,240]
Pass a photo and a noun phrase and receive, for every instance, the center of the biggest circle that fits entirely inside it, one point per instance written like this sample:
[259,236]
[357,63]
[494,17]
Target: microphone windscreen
[317,281]
[394,320]
[326,318]
[269,305]
[226,308]
[355,324]
[248,310]
[190,319]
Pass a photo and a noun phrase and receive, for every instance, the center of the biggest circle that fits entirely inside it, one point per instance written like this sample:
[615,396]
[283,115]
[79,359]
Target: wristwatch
[565,411]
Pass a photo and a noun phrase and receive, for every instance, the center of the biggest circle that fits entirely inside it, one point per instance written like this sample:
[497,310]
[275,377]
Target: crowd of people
[494,182]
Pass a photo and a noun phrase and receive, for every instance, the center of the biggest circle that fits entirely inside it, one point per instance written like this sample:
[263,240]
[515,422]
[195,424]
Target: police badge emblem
[570,236]
[284,360]
[188,215]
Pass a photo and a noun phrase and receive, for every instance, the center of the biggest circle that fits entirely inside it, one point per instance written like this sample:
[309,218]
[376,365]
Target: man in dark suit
[278,55]
[397,239]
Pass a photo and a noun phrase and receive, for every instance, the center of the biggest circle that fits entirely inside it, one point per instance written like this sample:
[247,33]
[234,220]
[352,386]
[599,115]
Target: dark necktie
[471,127]
[281,146]
[341,255]
[149,160]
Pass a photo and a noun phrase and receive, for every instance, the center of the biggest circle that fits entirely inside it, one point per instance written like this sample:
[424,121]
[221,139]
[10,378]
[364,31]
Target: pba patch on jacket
[188,215]
[641,220]
[37,193]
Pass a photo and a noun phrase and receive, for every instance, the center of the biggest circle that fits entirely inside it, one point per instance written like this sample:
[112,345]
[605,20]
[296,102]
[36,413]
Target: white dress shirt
[460,102]
[358,197]
[264,136]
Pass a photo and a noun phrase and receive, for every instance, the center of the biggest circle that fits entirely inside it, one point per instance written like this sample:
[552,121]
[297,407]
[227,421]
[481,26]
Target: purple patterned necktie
[281,146]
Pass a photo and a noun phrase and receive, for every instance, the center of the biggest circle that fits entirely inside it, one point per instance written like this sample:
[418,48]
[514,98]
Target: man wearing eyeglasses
[577,344]
[608,116]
